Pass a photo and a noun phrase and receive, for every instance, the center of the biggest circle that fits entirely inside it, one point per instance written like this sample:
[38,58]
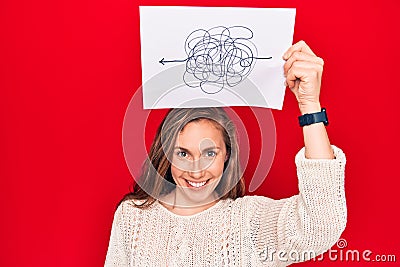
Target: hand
[303,71]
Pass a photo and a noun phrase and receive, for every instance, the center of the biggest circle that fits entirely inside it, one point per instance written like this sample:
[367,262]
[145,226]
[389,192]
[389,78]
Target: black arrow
[262,57]
[163,61]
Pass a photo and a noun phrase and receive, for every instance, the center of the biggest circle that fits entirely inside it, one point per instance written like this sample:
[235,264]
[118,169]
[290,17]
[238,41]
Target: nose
[196,171]
[196,174]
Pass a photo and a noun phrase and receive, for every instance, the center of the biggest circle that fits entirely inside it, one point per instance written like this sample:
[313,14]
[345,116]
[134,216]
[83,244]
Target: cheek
[217,167]
[176,173]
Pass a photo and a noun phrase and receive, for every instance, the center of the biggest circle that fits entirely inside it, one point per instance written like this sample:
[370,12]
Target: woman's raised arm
[303,70]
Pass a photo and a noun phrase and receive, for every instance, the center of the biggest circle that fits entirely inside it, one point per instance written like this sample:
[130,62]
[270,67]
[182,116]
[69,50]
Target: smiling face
[198,162]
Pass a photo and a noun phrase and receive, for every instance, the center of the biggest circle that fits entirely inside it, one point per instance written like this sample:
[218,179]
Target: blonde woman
[189,206]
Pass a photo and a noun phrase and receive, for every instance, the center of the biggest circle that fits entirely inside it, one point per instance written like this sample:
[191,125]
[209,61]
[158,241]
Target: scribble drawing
[218,57]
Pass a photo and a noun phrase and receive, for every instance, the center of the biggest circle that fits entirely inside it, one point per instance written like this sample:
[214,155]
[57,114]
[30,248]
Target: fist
[303,72]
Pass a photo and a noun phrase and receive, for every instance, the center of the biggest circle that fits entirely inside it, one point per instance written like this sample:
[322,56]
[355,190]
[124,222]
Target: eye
[181,154]
[211,153]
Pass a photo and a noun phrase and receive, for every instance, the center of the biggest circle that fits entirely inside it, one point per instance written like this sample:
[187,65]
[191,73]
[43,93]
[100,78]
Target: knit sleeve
[306,225]
[117,254]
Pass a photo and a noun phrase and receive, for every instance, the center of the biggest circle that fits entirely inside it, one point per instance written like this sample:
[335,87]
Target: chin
[203,195]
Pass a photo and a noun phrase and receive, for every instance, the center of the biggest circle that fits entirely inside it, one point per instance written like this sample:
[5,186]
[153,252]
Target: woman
[189,209]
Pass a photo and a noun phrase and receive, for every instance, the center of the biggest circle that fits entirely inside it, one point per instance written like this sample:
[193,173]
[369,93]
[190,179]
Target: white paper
[214,56]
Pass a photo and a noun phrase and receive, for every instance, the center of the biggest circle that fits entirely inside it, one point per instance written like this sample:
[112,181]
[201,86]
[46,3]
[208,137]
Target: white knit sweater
[248,231]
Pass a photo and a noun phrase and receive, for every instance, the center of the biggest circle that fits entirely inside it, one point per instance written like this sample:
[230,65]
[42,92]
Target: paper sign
[214,56]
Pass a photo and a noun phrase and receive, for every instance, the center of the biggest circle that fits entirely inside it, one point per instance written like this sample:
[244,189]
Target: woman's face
[198,161]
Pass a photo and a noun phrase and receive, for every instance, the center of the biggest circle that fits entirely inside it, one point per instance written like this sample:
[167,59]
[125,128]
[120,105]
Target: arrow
[247,62]
[163,61]
[262,57]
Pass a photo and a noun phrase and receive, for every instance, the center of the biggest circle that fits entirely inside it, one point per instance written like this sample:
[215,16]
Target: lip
[197,188]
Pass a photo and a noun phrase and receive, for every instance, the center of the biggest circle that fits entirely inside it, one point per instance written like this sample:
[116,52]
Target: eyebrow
[207,148]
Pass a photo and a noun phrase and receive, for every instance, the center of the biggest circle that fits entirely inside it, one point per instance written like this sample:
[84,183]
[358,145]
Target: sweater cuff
[302,161]
[321,177]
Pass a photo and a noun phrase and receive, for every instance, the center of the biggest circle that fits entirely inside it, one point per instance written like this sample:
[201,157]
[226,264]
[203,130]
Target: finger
[303,71]
[296,85]
[301,56]
[300,46]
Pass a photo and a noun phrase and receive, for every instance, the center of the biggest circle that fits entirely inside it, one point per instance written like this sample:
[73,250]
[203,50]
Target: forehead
[197,131]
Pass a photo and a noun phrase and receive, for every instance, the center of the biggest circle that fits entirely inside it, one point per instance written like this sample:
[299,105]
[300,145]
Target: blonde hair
[156,178]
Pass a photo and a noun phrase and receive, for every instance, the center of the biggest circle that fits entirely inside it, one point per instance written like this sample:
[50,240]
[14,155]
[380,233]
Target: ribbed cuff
[321,178]
[302,161]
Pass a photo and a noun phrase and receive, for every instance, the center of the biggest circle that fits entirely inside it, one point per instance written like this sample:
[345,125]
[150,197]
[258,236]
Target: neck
[177,203]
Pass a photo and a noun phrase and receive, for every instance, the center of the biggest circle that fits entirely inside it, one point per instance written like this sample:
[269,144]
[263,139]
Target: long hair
[156,178]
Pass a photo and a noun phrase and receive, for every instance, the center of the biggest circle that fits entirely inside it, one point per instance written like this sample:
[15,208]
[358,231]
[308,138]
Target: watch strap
[312,118]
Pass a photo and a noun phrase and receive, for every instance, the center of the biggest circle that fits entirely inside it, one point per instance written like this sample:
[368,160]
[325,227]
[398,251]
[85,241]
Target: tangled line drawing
[217,58]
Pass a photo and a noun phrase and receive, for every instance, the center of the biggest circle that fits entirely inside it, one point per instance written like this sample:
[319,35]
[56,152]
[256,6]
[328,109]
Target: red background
[69,68]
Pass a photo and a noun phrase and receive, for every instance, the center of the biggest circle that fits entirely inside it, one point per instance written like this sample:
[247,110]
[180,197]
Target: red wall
[69,68]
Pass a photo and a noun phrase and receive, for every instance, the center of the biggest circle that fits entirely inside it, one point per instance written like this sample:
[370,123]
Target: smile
[196,185]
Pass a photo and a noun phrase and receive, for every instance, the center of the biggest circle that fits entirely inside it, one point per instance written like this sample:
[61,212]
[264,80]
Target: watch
[312,118]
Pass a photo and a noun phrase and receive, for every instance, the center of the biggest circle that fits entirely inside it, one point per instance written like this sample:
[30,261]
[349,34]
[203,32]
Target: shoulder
[253,204]
[135,204]
[258,212]
[130,209]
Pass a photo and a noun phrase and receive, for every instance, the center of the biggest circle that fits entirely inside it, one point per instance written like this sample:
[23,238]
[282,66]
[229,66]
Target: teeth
[197,184]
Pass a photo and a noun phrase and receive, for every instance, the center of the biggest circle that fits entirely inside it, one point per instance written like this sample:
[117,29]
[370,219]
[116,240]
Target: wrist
[309,108]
